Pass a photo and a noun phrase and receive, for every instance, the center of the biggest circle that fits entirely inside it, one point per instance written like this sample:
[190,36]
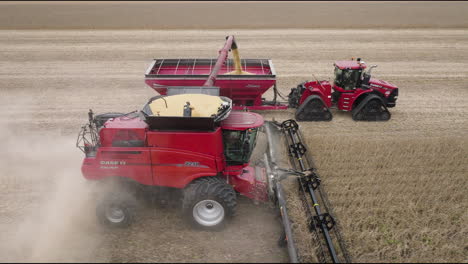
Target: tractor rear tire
[208,203]
[117,209]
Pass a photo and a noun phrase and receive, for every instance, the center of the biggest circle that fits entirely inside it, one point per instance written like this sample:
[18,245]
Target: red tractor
[352,90]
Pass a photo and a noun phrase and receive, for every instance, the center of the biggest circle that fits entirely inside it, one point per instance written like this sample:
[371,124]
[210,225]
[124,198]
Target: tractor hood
[382,84]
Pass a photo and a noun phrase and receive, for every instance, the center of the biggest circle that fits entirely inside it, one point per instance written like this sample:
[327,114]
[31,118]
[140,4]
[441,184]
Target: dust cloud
[47,212]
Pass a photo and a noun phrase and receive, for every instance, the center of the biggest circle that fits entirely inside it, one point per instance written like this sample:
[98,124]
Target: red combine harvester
[201,161]
[246,80]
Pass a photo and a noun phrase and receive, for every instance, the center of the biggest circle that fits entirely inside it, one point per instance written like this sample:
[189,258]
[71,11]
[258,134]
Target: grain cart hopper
[246,80]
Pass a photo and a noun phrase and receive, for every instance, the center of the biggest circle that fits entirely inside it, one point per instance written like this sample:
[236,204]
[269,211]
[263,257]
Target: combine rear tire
[313,109]
[208,202]
[116,209]
[372,108]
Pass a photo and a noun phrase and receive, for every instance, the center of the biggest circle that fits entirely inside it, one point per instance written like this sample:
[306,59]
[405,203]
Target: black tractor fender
[363,97]
[311,97]
[365,100]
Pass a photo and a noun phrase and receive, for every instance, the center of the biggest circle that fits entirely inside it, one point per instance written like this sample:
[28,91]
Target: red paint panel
[241,91]
[205,142]
[176,168]
[322,89]
[249,184]
[261,107]
[134,163]
[242,121]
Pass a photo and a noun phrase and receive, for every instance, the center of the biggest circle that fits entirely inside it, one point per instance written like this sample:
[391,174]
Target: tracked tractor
[352,90]
[246,80]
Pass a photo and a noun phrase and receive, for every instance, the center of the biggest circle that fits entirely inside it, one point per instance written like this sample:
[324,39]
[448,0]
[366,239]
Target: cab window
[238,145]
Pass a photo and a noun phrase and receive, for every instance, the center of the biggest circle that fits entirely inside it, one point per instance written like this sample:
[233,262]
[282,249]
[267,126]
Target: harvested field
[398,188]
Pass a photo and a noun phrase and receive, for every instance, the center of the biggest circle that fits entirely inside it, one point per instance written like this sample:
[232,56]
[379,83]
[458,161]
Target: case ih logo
[112,162]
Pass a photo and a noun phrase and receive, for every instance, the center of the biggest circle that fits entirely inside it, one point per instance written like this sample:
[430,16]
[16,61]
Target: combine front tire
[313,109]
[116,209]
[208,202]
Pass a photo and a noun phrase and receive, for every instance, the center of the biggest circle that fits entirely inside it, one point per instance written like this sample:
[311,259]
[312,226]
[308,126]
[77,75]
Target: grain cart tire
[116,209]
[208,203]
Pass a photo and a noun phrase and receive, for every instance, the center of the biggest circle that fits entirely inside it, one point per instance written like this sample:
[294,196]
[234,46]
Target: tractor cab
[240,132]
[348,75]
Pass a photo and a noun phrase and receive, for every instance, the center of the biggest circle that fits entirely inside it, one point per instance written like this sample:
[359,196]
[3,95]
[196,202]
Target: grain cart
[246,80]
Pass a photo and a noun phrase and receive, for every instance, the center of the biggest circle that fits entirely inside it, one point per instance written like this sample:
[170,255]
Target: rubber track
[366,116]
[324,115]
